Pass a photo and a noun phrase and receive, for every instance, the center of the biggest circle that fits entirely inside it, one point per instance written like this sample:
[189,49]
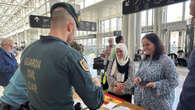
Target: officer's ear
[70,26]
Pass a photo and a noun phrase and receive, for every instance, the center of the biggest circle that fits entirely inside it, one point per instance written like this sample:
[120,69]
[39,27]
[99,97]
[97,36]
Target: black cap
[67,7]
[118,39]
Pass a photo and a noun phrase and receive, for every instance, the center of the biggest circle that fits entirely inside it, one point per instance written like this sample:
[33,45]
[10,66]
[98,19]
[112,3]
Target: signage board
[133,6]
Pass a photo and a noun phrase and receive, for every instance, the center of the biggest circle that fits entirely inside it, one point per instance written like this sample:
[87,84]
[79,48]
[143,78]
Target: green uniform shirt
[51,68]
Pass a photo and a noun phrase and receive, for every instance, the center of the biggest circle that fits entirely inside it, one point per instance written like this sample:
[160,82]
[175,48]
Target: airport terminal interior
[102,20]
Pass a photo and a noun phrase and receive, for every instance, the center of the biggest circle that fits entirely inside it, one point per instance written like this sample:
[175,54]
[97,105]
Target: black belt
[4,106]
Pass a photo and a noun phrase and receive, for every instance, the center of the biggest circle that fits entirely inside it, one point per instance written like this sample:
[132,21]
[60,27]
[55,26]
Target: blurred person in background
[118,39]
[8,62]
[80,48]
[107,52]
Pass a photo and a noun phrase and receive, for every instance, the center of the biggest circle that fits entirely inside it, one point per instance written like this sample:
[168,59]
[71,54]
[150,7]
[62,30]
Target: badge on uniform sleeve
[84,65]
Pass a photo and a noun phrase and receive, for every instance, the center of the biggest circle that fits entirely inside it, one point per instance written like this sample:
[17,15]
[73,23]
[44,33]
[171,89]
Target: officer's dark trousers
[4,106]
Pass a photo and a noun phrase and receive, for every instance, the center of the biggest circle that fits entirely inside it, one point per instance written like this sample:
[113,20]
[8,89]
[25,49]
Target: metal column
[138,30]
[129,31]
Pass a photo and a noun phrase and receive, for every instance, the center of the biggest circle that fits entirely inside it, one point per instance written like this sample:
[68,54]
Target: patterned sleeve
[110,78]
[170,75]
[130,81]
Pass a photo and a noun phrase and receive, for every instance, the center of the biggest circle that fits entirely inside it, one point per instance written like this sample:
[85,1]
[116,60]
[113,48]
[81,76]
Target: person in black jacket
[187,97]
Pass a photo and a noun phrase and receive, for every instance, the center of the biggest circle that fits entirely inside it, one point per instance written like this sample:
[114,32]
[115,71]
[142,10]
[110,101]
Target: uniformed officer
[51,67]
[187,97]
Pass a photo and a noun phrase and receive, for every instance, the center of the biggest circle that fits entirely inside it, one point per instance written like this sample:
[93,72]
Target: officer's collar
[52,38]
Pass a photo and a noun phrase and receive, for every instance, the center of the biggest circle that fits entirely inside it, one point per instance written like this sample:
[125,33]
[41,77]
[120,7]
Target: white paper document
[121,108]
[110,106]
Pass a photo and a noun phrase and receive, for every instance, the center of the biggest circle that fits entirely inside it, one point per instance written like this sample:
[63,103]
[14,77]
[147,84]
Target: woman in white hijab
[121,74]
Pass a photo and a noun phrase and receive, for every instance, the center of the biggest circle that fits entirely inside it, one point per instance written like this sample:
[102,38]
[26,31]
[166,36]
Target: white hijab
[122,61]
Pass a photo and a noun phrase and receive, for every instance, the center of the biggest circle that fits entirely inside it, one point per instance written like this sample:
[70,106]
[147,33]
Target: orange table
[120,102]
[110,98]
[113,99]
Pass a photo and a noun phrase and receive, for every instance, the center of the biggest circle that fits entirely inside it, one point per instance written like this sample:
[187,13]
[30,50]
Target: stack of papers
[110,106]
[121,108]
[113,106]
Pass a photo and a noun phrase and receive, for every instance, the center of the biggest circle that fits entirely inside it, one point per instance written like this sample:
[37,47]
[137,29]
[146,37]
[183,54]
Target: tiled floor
[182,71]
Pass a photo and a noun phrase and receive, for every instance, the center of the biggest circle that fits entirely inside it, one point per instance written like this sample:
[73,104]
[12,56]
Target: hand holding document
[96,81]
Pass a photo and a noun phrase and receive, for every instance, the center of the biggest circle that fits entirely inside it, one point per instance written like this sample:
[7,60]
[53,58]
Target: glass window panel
[42,1]
[143,20]
[113,39]
[103,26]
[89,32]
[104,42]
[85,42]
[120,23]
[80,33]
[98,1]
[174,12]
[77,33]
[107,25]
[150,17]
[77,41]
[89,42]
[81,5]
[187,10]
[174,42]
[82,42]
[142,35]
[84,32]
[113,24]
[94,42]
[91,2]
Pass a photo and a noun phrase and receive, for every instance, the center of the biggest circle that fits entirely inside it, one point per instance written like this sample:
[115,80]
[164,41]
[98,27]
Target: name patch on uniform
[84,65]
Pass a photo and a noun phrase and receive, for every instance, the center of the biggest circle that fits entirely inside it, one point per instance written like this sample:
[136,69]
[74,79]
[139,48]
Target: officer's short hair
[68,7]
[6,41]
[118,39]
[60,15]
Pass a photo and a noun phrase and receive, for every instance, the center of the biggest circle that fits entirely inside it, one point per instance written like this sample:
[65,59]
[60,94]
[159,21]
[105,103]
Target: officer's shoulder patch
[84,65]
